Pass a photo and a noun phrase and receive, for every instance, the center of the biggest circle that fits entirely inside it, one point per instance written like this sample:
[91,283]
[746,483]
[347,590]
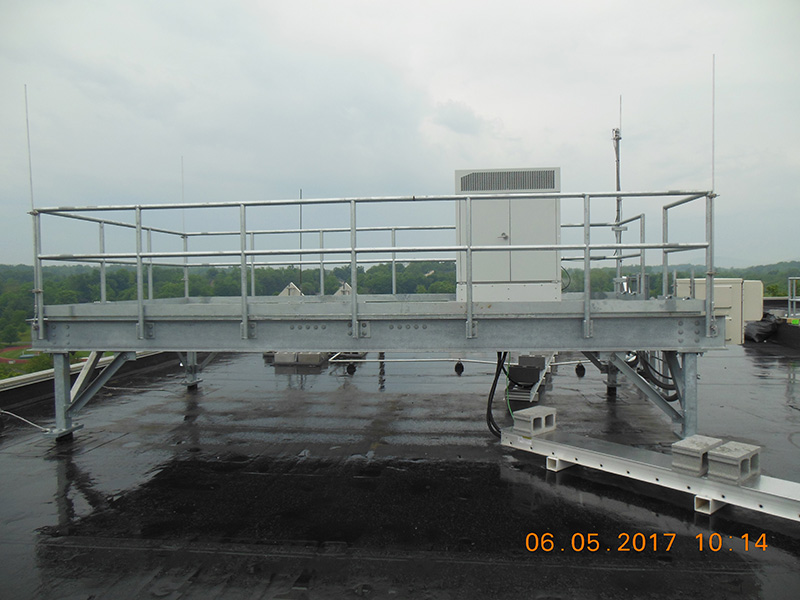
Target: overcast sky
[357,97]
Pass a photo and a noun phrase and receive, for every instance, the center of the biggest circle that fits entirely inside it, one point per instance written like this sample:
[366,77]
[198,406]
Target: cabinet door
[534,221]
[490,227]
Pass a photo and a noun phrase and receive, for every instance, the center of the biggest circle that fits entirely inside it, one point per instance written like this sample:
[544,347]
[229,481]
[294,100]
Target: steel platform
[420,323]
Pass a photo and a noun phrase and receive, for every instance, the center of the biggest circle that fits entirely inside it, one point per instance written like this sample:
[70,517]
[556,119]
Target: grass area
[13,354]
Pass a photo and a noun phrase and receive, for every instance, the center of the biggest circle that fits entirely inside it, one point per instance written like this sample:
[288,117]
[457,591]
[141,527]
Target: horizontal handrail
[690,195]
[247,256]
[672,247]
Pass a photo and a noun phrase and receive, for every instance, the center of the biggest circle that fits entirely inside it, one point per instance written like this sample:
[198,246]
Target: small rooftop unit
[527,275]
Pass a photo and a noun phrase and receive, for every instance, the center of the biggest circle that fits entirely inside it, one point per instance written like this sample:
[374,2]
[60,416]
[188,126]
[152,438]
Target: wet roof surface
[385,484]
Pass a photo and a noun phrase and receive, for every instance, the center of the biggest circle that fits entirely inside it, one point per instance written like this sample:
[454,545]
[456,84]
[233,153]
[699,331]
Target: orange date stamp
[641,542]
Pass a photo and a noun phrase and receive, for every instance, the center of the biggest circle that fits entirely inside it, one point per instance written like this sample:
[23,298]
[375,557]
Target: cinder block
[532,360]
[734,462]
[690,455]
[311,358]
[285,358]
[536,420]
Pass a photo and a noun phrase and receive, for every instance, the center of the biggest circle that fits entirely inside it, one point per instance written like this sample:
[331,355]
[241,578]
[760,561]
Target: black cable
[650,374]
[493,426]
[569,279]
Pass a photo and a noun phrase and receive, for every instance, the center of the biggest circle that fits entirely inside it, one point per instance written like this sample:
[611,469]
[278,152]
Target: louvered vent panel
[517,180]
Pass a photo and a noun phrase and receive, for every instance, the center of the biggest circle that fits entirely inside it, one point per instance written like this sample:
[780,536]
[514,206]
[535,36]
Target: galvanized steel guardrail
[249,257]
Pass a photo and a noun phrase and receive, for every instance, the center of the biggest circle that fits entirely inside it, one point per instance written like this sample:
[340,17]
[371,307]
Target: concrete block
[285,358]
[311,358]
[734,462]
[690,455]
[532,360]
[533,421]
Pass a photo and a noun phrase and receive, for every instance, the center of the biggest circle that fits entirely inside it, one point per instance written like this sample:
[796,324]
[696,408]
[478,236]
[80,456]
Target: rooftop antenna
[28,131]
[183,210]
[713,117]
[616,138]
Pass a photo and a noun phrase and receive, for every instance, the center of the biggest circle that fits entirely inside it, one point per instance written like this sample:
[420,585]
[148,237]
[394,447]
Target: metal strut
[69,400]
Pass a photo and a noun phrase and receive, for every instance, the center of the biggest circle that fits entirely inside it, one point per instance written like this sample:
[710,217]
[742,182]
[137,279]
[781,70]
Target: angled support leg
[62,396]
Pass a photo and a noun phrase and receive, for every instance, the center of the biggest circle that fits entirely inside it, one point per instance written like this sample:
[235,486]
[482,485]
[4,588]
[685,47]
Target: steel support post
[611,382]
[689,384]
[191,369]
[61,389]
[62,397]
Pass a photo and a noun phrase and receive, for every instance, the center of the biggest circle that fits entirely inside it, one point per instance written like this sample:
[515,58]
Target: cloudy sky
[358,97]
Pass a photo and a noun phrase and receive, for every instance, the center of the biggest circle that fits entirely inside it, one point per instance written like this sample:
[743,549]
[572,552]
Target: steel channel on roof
[768,495]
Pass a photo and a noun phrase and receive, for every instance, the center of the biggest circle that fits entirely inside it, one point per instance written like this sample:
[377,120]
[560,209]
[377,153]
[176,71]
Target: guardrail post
[587,269]
[103,292]
[470,314]
[38,284]
[185,266]
[253,265]
[353,272]
[149,264]
[321,263]
[139,276]
[644,290]
[711,329]
[243,268]
[394,262]
[664,255]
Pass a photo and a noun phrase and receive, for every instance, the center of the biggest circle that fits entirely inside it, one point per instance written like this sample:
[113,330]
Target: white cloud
[362,97]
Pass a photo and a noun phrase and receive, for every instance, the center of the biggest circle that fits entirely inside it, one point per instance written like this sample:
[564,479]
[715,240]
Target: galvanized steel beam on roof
[385,323]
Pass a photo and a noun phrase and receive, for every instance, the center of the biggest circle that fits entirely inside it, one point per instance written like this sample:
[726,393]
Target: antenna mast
[28,131]
[713,117]
[616,138]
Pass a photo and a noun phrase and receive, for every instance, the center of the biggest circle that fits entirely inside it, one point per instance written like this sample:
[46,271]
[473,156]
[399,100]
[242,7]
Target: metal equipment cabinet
[522,275]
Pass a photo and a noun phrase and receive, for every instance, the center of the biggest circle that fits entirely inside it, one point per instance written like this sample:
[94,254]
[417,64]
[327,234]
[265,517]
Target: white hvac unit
[523,275]
[735,299]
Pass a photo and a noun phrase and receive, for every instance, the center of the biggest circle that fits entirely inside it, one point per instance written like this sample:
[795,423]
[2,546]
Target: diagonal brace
[592,356]
[645,387]
[84,377]
[79,401]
